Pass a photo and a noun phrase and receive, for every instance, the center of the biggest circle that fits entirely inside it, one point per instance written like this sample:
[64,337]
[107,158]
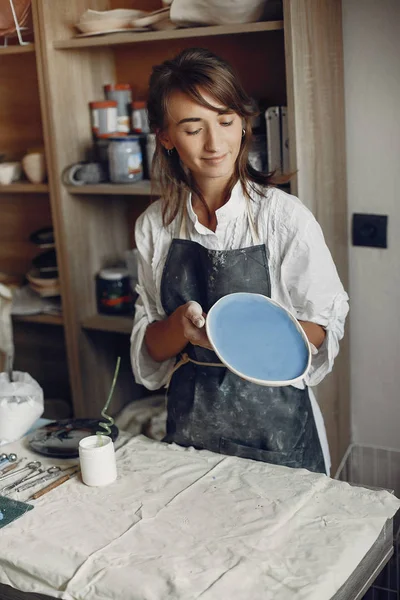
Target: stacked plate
[43,276]
[97,22]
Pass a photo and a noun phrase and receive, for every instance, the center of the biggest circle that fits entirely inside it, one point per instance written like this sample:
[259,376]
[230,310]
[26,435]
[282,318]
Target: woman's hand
[193,323]
[315,333]
[165,339]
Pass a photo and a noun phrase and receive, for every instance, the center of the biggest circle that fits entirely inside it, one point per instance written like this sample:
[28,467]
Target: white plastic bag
[21,404]
[216,12]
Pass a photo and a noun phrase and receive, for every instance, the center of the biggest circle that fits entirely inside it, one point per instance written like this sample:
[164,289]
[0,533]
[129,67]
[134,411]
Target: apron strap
[254,234]
[252,225]
[183,224]
[185,358]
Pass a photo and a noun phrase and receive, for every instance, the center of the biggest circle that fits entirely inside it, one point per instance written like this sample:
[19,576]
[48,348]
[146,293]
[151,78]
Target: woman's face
[208,142]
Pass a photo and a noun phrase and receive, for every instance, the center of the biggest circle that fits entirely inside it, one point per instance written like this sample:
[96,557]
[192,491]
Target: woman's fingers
[194,313]
[193,325]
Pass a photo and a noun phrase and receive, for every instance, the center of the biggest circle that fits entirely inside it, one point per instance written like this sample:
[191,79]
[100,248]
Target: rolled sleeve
[316,293]
[322,361]
[147,371]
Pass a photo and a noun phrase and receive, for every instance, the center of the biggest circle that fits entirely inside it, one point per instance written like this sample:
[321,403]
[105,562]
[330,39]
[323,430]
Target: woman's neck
[207,214]
[213,192]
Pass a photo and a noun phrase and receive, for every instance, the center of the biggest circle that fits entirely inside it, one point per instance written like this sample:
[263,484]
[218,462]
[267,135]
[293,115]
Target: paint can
[122,94]
[103,117]
[113,292]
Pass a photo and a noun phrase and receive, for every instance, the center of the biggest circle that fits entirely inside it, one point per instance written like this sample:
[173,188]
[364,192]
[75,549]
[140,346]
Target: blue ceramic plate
[258,339]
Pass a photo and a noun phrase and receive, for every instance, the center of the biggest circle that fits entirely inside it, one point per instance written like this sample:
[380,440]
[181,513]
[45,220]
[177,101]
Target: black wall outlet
[370,230]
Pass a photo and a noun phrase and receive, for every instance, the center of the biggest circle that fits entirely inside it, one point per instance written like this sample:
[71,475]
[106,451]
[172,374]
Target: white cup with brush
[96,452]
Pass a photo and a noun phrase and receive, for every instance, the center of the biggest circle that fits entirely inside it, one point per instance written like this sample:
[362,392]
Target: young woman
[221,227]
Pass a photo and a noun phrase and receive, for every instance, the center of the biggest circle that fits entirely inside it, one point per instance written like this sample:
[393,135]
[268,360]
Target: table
[180,524]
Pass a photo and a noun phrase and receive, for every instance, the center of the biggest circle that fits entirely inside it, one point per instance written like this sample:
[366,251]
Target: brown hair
[192,69]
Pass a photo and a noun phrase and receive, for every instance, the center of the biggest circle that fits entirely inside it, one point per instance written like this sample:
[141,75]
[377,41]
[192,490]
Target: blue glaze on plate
[257,338]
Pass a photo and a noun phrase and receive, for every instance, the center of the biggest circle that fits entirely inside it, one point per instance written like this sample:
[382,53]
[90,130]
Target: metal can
[125,159]
[140,122]
[113,292]
[103,117]
[122,94]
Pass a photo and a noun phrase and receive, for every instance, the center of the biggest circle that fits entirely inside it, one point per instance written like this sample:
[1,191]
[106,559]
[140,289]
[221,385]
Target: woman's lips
[215,160]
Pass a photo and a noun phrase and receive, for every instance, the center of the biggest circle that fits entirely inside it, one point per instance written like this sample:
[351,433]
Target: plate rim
[262,382]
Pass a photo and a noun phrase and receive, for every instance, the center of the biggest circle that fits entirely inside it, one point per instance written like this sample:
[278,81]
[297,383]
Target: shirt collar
[235,207]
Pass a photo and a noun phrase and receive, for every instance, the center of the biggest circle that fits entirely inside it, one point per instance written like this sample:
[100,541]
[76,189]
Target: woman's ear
[165,140]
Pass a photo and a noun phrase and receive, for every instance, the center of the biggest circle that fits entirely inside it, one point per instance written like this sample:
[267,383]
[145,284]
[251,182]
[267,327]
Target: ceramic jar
[125,159]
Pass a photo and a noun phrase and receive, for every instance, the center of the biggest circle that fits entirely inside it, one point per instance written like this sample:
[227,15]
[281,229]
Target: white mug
[97,458]
[34,166]
[9,172]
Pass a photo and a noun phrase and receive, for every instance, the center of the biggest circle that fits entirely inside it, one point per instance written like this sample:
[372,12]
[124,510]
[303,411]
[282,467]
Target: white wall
[371,31]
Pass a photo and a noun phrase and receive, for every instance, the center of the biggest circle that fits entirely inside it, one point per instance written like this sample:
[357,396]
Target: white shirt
[303,276]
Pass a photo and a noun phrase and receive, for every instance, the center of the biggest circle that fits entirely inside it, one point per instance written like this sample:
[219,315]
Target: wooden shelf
[143,188]
[42,319]
[116,39]
[109,323]
[24,188]
[17,49]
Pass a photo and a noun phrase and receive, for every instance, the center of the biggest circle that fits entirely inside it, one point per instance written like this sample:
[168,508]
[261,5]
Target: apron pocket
[286,459]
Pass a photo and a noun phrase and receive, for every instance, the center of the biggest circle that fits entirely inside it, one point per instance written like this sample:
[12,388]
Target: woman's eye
[226,123]
[193,132]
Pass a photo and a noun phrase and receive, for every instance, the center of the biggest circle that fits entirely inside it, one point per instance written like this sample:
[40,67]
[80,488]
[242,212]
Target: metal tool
[11,467]
[11,486]
[55,484]
[51,472]
[7,458]
[32,466]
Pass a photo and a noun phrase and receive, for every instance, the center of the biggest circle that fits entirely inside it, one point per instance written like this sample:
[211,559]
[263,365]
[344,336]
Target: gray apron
[209,407]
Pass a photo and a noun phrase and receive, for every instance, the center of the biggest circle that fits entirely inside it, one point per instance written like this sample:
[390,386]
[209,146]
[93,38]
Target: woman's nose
[213,140]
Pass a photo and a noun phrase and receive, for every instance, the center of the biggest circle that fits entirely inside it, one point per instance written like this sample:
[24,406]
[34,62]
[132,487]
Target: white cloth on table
[303,276]
[180,524]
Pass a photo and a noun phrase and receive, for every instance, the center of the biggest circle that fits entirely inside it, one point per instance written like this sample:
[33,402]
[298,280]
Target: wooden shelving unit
[109,323]
[40,349]
[24,188]
[117,39]
[297,61]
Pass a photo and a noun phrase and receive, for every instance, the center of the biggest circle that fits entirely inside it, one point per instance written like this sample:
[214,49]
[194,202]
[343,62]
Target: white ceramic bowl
[9,172]
[124,15]
[222,12]
[102,26]
[258,339]
[99,21]
[34,166]
[151,18]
